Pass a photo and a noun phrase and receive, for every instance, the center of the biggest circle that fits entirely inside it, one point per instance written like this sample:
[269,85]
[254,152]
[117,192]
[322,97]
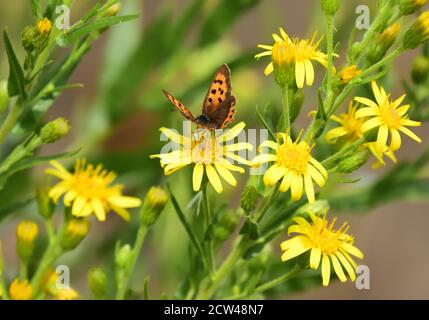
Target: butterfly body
[218,106]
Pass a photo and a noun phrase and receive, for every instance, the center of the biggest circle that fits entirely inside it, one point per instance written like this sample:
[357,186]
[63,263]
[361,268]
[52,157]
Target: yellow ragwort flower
[372,146]
[58,291]
[349,73]
[20,290]
[88,190]
[27,231]
[300,51]
[388,116]
[208,151]
[44,26]
[292,162]
[327,246]
[350,129]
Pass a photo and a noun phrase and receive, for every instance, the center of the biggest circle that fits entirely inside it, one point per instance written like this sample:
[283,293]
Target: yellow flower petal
[226,174]
[299,74]
[315,256]
[197,176]
[326,271]
[125,202]
[214,178]
[274,174]
[98,209]
[337,268]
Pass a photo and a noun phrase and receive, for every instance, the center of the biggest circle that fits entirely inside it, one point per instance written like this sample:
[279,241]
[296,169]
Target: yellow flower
[67,294]
[388,116]
[20,290]
[349,73]
[300,51]
[292,162]
[207,151]
[44,26]
[418,32]
[350,129]
[27,231]
[327,246]
[26,234]
[410,6]
[372,146]
[59,293]
[88,190]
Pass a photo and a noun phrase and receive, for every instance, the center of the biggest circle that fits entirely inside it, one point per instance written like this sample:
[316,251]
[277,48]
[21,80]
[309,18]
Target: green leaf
[189,231]
[36,8]
[265,124]
[32,162]
[74,34]
[250,228]
[16,82]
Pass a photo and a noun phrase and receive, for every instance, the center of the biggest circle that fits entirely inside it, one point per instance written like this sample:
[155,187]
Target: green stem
[189,231]
[286,112]
[51,254]
[383,15]
[331,161]
[208,222]
[23,267]
[330,48]
[271,284]
[225,269]
[124,281]
[10,120]
[387,59]
[271,198]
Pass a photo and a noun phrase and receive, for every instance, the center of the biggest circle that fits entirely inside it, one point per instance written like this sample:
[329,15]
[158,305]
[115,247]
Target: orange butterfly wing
[183,110]
[218,103]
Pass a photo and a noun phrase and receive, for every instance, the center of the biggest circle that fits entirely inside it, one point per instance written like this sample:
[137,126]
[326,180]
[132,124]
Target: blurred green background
[177,45]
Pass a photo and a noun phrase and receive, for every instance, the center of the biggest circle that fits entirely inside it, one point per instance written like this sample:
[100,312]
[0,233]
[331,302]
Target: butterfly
[218,106]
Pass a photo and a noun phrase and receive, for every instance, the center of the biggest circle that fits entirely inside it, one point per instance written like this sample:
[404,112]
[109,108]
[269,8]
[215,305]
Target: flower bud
[283,62]
[75,231]
[225,226]
[418,32]
[122,256]
[97,282]
[26,234]
[420,70]
[44,26]
[354,52]
[154,202]
[4,96]
[354,161]
[383,42]
[20,290]
[318,207]
[54,130]
[330,7]
[28,34]
[113,9]
[248,199]
[349,73]
[46,206]
[410,6]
